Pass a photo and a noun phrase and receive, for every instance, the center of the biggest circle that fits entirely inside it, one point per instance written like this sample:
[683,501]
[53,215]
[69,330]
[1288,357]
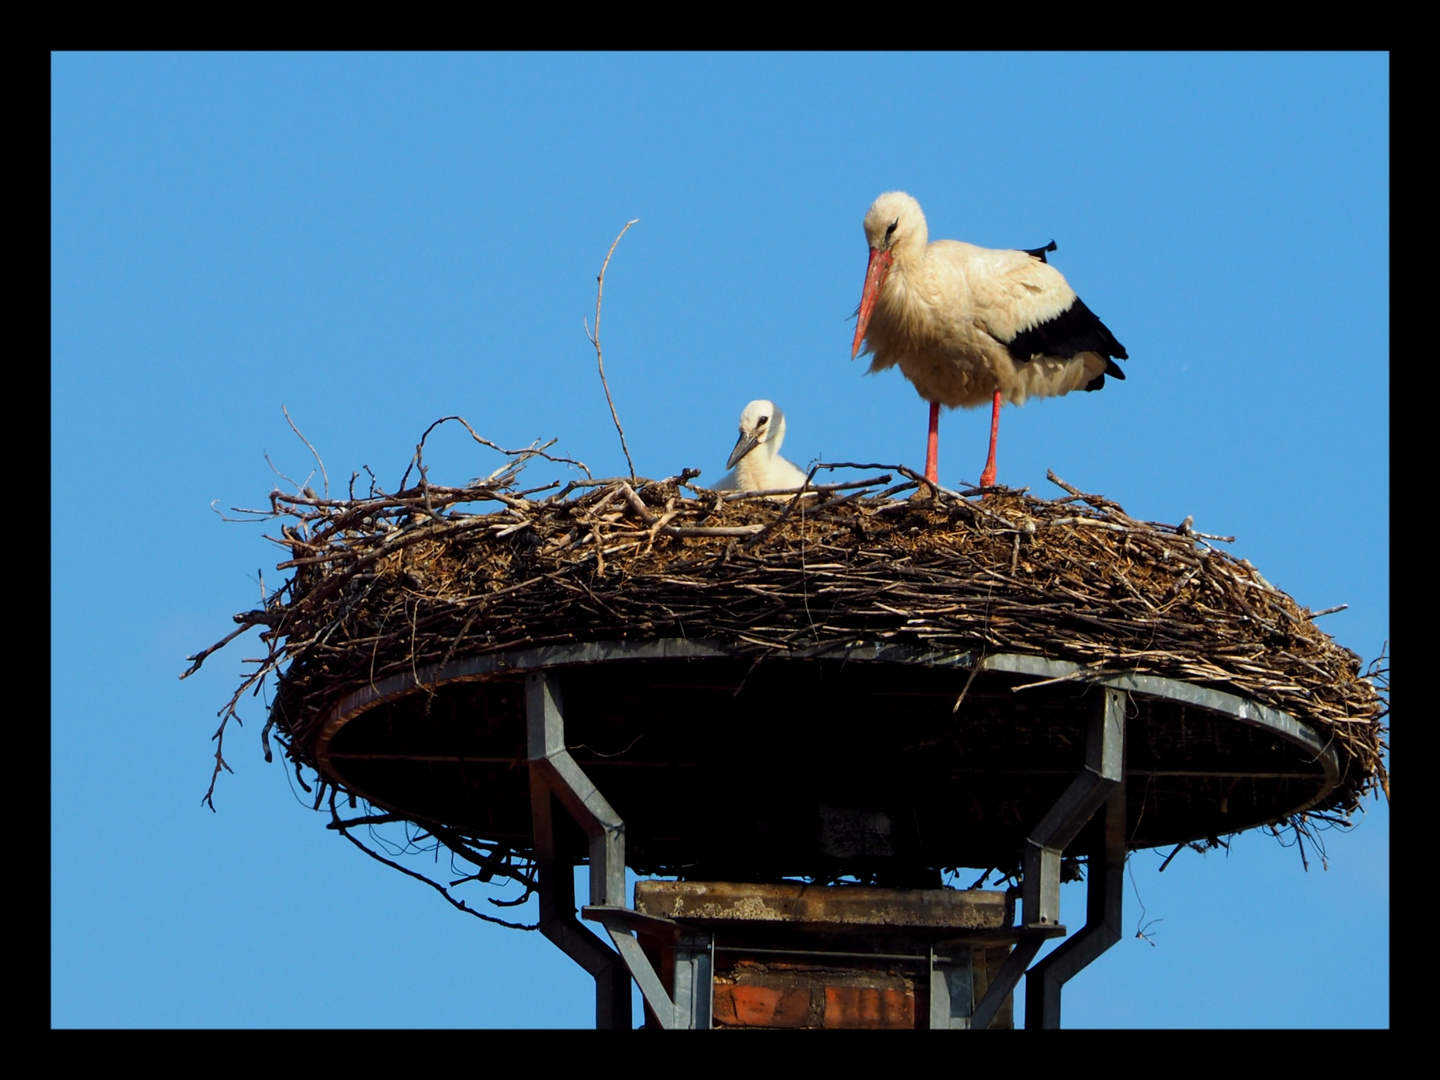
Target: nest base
[723,767]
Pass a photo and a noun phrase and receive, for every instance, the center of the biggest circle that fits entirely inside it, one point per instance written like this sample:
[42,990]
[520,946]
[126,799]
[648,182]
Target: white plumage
[755,464]
[969,325]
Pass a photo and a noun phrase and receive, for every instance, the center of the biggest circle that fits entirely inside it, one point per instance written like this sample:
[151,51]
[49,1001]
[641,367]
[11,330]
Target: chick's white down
[755,463]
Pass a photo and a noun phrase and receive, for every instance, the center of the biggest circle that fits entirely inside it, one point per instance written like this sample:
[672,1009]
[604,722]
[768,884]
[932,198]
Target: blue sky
[378,241]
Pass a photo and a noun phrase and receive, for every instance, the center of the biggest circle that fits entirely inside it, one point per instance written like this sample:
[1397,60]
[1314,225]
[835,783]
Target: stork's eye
[762,420]
[891,230]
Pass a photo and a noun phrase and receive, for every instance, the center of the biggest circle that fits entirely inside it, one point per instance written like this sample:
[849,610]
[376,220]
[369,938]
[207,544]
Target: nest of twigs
[384,583]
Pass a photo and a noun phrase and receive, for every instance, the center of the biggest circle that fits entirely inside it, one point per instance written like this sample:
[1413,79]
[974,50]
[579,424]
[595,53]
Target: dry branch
[595,341]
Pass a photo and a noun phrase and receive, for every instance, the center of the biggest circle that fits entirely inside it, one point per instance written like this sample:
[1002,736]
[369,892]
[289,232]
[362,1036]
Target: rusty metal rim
[476,668]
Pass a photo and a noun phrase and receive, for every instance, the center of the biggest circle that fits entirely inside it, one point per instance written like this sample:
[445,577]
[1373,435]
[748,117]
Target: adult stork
[755,464]
[968,324]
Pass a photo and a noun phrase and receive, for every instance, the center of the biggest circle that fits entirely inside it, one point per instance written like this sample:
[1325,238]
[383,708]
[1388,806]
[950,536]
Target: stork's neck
[750,473]
[908,252]
[755,467]
[777,435]
[908,294]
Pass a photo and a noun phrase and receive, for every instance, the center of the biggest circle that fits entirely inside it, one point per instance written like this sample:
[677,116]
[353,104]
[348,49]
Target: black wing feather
[1111,368]
[1077,329]
[1039,253]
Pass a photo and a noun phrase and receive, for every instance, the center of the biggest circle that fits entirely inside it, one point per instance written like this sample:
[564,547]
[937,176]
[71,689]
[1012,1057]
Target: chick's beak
[743,445]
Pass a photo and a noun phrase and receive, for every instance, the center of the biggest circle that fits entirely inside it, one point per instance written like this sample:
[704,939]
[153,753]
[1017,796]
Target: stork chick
[755,464]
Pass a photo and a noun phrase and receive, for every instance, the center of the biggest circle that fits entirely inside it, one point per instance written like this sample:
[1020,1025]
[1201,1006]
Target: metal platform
[885,763]
[817,764]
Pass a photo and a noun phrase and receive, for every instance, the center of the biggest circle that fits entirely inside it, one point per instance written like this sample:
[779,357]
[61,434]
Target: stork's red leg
[987,478]
[932,445]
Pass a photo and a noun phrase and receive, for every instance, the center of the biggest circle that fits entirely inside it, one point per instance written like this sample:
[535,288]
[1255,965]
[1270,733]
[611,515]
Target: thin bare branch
[460,904]
[324,475]
[599,356]
[535,449]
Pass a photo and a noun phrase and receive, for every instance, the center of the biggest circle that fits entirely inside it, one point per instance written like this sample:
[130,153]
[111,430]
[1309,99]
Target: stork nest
[388,583]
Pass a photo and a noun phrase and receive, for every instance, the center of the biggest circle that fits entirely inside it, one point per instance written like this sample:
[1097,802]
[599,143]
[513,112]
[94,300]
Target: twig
[1072,677]
[323,473]
[800,494]
[368,819]
[1169,857]
[262,514]
[208,799]
[535,449]
[737,496]
[1075,493]
[599,356]
[1141,926]
[722,530]
[636,505]
[277,472]
[438,888]
[199,657]
[974,670]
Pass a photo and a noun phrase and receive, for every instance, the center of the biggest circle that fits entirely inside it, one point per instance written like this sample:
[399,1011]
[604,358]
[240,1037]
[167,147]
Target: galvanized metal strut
[1101,784]
[555,775]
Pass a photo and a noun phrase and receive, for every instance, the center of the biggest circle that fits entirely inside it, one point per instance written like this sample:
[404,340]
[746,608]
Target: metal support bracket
[952,976]
[1005,982]
[694,980]
[694,955]
[1101,778]
[555,775]
[1104,765]
[952,991]
[545,730]
[1104,901]
[551,770]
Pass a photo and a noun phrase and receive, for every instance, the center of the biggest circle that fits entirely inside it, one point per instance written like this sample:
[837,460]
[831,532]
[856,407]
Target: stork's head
[894,228]
[761,424]
[895,220]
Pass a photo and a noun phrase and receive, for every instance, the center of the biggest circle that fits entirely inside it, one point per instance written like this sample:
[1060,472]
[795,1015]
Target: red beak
[874,278]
